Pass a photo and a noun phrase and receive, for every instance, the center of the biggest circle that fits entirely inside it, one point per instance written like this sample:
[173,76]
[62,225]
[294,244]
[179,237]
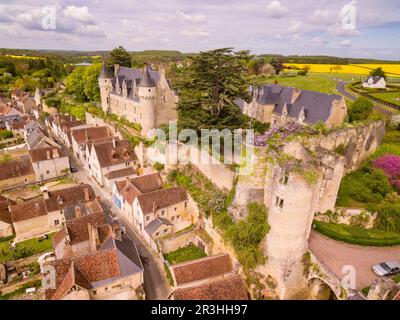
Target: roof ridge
[186,263]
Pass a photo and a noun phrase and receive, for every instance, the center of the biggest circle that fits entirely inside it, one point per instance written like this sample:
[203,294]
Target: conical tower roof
[146,80]
[104,73]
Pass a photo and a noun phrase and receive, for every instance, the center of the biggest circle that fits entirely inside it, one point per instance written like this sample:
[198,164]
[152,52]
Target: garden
[188,253]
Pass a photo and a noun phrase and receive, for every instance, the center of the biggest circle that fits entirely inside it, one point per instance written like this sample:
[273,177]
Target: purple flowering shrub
[390,165]
[282,131]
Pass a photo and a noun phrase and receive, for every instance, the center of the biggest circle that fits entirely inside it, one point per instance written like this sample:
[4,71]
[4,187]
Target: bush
[20,252]
[159,166]
[360,110]
[6,134]
[357,235]
[190,252]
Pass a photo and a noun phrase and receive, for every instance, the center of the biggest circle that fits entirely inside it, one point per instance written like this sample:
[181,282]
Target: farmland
[392,97]
[392,70]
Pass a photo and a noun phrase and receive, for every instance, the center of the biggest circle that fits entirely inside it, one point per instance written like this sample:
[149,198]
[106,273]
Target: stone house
[279,105]
[375,82]
[105,157]
[112,268]
[25,104]
[49,163]
[144,96]
[48,214]
[6,227]
[82,136]
[112,176]
[16,172]
[209,278]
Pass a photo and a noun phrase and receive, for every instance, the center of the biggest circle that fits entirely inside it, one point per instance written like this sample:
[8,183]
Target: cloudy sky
[262,26]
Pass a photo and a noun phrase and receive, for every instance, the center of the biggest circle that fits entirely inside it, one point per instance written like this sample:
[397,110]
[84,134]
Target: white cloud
[323,17]
[81,14]
[295,26]
[192,18]
[319,41]
[276,10]
[338,30]
[346,43]
[195,33]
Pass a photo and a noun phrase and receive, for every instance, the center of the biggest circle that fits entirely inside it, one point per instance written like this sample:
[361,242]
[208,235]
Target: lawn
[392,97]
[190,252]
[31,247]
[357,235]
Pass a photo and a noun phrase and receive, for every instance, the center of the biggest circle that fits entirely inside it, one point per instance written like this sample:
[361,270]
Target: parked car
[73,169]
[386,269]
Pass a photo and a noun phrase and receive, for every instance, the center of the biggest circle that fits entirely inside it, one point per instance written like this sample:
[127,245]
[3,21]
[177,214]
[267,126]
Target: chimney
[94,239]
[86,192]
[117,231]
[45,191]
[113,141]
[78,212]
[116,69]
[48,154]
[55,153]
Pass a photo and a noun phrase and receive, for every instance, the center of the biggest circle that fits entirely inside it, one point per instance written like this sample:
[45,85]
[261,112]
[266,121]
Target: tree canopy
[378,72]
[120,56]
[360,110]
[209,88]
[83,83]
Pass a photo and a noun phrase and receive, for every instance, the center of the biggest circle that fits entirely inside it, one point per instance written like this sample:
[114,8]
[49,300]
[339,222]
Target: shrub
[6,134]
[360,110]
[190,252]
[159,166]
[20,252]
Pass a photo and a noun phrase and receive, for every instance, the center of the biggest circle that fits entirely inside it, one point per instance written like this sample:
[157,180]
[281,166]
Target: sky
[346,28]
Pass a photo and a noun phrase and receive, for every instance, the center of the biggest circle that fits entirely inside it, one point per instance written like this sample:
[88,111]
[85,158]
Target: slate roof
[229,288]
[161,199]
[114,152]
[146,80]
[122,173]
[375,79]
[16,168]
[315,105]
[155,224]
[46,154]
[202,268]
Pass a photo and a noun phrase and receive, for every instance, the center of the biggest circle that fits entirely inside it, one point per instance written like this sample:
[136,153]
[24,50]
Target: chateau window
[164,98]
[285,178]
[56,222]
[186,204]
[279,202]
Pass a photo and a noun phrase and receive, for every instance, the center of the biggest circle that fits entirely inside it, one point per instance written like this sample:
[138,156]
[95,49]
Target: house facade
[375,82]
[49,163]
[6,227]
[144,96]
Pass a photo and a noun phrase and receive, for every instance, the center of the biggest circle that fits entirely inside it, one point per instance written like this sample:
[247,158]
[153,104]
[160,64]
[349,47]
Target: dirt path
[336,254]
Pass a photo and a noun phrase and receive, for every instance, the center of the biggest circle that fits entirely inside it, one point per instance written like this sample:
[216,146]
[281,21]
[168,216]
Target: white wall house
[49,163]
[375,82]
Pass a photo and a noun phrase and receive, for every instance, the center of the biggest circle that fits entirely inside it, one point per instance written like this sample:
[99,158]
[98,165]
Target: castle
[140,96]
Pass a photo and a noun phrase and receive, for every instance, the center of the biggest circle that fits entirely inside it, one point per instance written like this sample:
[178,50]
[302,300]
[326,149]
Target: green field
[392,97]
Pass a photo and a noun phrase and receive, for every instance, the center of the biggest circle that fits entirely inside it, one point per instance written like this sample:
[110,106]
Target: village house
[112,176]
[82,136]
[6,227]
[144,96]
[110,268]
[48,214]
[209,278]
[49,163]
[105,157]
[37,139]
[16,172]
[375,82]
[279,105]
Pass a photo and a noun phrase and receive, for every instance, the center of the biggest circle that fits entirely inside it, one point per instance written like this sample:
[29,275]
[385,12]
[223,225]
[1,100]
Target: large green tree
[76,85]
[120,56]
[209,88]
[378,72]
[83,83]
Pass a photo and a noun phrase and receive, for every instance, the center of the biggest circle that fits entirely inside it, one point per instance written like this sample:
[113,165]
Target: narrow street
[155,284]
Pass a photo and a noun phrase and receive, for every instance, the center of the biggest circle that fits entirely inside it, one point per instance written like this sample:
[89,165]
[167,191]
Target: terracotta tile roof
[161,199]
[203,268]
[5,214]
[59,236]
[62,198]
[122,173]
[90,134]
[78,228]
[28,210]
[16,168]
[114,152]
[130,193]
[230,288]
[97,266]
[46,154]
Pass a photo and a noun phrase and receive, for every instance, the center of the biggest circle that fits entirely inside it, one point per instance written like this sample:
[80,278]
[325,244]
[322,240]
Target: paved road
[340,87]
[336,254]
[155,284]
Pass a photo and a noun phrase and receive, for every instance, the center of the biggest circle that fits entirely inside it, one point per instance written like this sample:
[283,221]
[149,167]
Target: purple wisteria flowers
[390,165]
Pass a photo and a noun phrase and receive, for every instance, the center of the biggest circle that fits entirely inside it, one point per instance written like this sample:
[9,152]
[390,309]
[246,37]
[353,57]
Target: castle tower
[147,92]
[105,84]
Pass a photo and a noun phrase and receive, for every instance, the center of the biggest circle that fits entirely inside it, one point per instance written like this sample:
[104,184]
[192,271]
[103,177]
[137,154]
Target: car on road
[73,169]
[386,269]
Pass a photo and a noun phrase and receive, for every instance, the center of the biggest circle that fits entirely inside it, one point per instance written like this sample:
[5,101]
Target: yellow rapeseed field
[23,57]
[391,69]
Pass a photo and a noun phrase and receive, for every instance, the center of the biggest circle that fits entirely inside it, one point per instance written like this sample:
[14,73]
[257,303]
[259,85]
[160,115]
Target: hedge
[357,235]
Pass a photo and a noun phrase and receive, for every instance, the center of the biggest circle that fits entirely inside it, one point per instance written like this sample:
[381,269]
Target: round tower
[147,92]
[105,84]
